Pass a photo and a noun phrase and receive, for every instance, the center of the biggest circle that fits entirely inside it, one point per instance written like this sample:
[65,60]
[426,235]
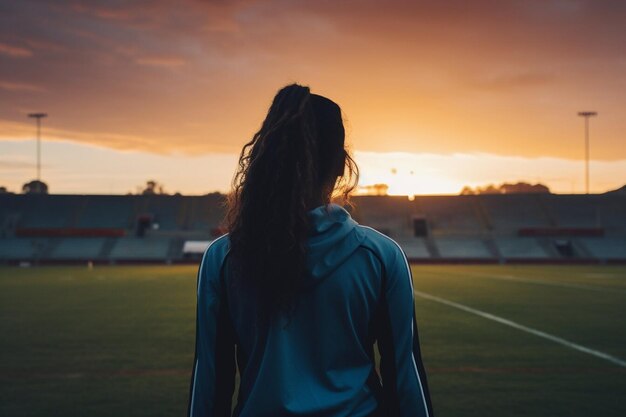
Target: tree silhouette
[152,187]
[35,187]
[375,189]
[506,188]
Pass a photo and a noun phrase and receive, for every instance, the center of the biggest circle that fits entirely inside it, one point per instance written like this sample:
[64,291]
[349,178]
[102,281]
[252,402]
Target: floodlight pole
[587,115]
[38,117]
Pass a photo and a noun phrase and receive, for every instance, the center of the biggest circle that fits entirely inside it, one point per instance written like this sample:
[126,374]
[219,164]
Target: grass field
[119,340]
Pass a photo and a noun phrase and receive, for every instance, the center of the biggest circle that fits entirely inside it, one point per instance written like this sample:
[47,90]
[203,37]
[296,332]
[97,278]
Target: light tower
[587,115]
[38,117]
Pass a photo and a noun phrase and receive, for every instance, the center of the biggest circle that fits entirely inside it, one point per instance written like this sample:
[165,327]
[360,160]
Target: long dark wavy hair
[294,163]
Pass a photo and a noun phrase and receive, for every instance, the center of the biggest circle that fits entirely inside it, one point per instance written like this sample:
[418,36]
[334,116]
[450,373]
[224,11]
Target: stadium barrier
[69,232]
[560,231]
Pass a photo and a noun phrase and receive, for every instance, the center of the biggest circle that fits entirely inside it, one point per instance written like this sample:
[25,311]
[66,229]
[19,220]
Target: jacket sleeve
[213,374]
[405,390]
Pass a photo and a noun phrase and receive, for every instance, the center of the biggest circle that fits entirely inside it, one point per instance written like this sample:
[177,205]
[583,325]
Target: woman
[297,293]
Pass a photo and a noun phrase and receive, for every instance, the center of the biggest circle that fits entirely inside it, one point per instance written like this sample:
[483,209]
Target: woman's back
[320,360]
[296,294]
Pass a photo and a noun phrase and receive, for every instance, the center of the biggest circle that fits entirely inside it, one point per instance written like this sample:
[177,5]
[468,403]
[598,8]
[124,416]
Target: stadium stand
[390,215]
[414,248]
[447,215]
[463,248]
[21,249]
[607,248]
[526,248]
[164,210]
[36,212]
[612,213]
[513,212]
[573,210]
[106,211]
[204,213]
[78,249]
[134,248]
[477,228]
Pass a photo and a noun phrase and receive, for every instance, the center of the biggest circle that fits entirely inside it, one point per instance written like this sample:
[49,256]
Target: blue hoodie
[359,291]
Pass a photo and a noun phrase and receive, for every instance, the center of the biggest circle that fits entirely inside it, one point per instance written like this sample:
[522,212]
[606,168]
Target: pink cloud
[17,86]
[15,51]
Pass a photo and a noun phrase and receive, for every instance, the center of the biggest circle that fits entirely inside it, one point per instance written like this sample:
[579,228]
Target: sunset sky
[443,93]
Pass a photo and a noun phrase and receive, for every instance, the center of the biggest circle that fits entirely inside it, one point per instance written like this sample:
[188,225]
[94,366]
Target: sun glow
[409,184]
[426,173]
[403,175]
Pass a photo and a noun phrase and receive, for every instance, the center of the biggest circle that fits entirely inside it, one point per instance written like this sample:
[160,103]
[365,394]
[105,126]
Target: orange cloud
[161,61]
[13,130]
[504,77]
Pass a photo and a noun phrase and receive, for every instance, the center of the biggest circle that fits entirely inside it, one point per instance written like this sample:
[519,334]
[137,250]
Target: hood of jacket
[333,237]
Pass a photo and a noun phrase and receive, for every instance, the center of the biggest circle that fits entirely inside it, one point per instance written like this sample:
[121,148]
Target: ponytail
[288,168]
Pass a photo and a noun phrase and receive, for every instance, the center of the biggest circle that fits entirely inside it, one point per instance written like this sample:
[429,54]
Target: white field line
[554,283]
[604,275]
[545,282]
[506,322]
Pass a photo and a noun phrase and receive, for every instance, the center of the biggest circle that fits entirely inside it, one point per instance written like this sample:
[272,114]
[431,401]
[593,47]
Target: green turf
[119,340]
